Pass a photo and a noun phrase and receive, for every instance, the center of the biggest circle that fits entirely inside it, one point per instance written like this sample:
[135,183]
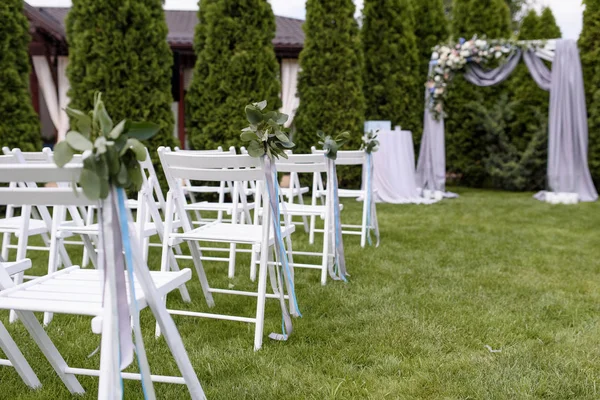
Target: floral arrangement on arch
[453,57]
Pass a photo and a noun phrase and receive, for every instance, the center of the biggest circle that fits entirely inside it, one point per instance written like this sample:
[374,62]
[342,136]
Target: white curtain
[56,99]
[289,82]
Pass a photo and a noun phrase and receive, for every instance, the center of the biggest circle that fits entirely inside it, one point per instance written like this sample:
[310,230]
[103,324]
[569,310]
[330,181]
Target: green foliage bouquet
[266,133]
[112,153]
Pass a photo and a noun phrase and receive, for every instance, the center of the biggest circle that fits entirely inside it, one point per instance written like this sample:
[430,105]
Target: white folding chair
[193,191]
[9,225]
[73,290]
[8,345]
[238,169]
[313,164]
[354,157]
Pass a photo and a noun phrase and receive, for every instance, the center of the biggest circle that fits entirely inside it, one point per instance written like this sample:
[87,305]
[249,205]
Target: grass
[488,269]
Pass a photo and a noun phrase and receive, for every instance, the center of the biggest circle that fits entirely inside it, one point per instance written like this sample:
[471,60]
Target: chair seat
[79,291]
[230,233]
[206,189]
[288,192]
[13,224]
[304,209]
[348,193]
[208,206]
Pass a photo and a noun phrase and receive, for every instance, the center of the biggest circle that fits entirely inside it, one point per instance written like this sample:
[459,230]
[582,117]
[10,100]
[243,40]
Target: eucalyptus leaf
[282,137]
[106,124]
[100,145]
[253,115]
[63,153]
[123,175]
[78,142]
[90,183]
[117,130]
[282,118]
[255,149]
[247,136]
[82,121]
[261,105]
[142,130]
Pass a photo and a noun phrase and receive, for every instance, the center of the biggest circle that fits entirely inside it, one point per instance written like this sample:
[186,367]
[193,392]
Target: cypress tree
[431,29]
[526,91]
[120,48]
[391,78]
[236,65]
[330,84]
[549,29]
[465,134]
[589,44]
[19,124]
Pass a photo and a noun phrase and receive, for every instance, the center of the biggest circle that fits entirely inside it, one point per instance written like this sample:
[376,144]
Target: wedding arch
[568,171]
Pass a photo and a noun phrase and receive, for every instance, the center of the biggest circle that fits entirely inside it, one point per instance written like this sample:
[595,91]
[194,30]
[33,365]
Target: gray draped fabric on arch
[568,170]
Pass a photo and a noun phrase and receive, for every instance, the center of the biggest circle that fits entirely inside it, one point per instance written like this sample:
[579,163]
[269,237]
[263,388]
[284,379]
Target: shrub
[19,124]
[236,65]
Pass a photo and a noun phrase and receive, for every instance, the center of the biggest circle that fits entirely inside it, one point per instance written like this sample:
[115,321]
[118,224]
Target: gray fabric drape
[538,70]
[480,77]
[431,166]
[568,137]
[568,169]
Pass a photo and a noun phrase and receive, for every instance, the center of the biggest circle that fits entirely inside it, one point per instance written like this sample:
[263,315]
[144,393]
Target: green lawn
[488,269]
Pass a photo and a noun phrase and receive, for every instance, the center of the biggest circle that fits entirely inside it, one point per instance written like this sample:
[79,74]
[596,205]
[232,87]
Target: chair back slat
[302,163]
[208,161]
[43,173]
[216,175]
[47,196]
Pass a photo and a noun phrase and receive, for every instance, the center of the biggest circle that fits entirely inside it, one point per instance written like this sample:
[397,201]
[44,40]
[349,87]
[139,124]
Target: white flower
[445,49]
[437,78]
[465,53]
[480,43]
[439,91]
[435,55]
[498,54]
[449,63]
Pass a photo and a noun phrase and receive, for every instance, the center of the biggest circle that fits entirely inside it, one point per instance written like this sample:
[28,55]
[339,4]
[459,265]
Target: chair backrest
[302,163]
[44,156]
[346,157]
[31,194]
[218,150]
[209,167]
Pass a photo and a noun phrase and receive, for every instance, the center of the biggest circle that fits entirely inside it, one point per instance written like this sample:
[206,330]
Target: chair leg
[232,257]
[326,238]
[363,230]
[20,364]
[260,303]
[253,265]
[52,354]
[21,249]
[53,259]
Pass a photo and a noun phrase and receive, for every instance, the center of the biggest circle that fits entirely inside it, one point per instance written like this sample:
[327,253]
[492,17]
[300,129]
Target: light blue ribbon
[129,262]
[369,198]
[283,265]
[339,271]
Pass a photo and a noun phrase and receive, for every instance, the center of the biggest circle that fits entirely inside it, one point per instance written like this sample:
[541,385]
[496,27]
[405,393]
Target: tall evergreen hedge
[236,65]
[525,91]
[391,79]
[330,84]
[431,29]
[120,48]
[589,45]
[19,124]
[465,134]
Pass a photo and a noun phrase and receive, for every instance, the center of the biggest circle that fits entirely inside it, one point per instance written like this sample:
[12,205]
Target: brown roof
[44,22]
[289,35]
